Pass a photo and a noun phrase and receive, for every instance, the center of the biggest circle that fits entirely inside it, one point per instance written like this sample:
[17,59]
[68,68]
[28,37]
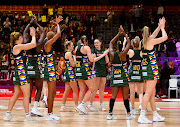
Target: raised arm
[57,20]
[155,33]
[126,49]
[49,43]
[164,34]
[88,51]
[111,51]
[101,56]
[26,30]
[42,36]
[18,48]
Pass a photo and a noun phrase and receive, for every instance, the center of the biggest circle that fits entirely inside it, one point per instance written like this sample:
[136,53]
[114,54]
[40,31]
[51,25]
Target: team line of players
[31,66]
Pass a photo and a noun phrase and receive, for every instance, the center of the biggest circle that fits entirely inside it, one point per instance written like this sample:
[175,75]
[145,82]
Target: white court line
[177,100]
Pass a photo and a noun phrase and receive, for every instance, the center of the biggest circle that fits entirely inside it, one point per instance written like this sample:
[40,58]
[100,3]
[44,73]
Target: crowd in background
[74,27]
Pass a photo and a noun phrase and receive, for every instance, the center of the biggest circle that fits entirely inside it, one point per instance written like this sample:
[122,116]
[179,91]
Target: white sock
[36,104]
[8,112]
[90,103]
[143,112]
[45,98]
[63,105]
[83,103]
[29,107]
[154,113]
[27,114]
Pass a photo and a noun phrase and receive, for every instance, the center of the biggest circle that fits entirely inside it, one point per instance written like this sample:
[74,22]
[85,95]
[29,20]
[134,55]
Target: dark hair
[119,46]
[83,39]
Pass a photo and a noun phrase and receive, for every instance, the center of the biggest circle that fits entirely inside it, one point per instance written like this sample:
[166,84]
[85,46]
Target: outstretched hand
[162,22]
[59,19]
[32,31]
[121,29]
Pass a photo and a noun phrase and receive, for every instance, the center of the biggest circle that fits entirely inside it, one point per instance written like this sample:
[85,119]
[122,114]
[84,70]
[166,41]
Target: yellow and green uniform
[149,65]
[82,65]
[48,66]
[20,75]
[69,75]
[100,67]
[33,63]
[119,74]
[135,67]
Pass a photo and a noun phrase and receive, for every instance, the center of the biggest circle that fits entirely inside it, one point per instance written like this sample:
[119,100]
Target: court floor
[167,108]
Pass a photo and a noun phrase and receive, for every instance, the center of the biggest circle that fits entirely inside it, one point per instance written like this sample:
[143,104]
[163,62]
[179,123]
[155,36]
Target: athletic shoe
[51,117]
[64,109]
[91,108]
[158,118]
[82,113]
[36,112]
[101,108]
[129,116]
[134,111]
[81,107]
[76,109]
[38,104]
[45,102]
[30,119]
[164,96]
[111,117]
[144,120]
[9,117]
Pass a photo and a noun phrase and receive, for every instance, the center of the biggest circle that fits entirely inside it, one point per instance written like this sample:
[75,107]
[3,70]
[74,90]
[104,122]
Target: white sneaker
[111,117]
[91,108]
[144,120]
[51,116]
[158,118]
[101,108]
[64,109]
[36,112]
[134,111]
[9,117]
[81,107]
[164,96]
[82,113]
[129,116]
[30,119]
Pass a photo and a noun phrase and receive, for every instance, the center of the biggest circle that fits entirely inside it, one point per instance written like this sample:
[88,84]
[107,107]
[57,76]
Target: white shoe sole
[160,120]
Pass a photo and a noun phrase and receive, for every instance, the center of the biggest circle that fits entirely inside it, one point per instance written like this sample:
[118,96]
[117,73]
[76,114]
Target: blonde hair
[145,35]
[136,42]
[50,35]
[14,37]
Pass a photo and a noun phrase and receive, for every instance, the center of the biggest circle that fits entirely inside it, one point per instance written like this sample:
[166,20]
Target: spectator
[92,36]
[137,14]
[5,61]
[45,10]
[8,75]
[7,24]
[171,47]
[110,14]
[61,67]
[165,76]
[178,47]
[160,11]
[94,23]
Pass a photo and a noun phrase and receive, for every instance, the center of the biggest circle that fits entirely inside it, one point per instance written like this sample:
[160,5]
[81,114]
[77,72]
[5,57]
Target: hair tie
[14,33]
